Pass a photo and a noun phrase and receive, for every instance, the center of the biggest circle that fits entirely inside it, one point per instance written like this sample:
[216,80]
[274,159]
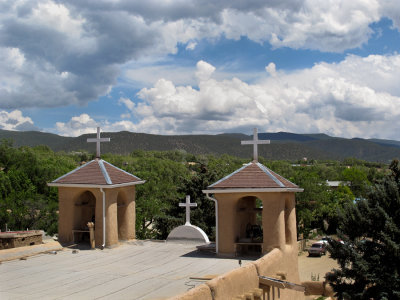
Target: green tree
[206,171]
[331,205]
[164,188]
[310,202]
[6,154]
[358,178]
[369,257]
[25,199]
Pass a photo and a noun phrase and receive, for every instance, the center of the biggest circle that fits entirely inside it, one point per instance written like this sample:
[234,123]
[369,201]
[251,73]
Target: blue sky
[188,67]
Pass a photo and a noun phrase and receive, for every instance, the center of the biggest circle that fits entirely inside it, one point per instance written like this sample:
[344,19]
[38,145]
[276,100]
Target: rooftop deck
[134,270]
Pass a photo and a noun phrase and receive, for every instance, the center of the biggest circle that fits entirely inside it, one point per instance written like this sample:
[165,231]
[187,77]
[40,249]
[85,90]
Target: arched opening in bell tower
[249,226]
[84,212]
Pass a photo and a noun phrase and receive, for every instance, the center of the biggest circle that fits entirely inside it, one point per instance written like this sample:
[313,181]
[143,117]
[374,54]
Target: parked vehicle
[324,240]
[317,249]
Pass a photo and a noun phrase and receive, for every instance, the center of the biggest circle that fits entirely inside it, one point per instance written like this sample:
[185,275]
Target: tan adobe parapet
[97,174]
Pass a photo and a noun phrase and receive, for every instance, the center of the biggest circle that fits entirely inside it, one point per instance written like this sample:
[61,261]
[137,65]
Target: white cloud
[271,69]
[126,116]
[127,102]
[328,26]
[14,120]
[84,124]
[191,46]
[57,16]
[55,53]
[391,9]
[338,99]
[119,126]
[138,75]
[77,126]
[204,70]
[11,60]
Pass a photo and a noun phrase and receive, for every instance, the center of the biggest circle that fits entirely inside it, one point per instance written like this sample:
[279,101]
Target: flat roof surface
[134,270]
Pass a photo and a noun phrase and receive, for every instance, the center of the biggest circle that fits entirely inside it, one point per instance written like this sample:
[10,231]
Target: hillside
[284,145]
[33,138]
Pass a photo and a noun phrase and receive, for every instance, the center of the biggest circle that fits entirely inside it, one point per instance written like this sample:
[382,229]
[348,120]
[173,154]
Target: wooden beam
[281,284]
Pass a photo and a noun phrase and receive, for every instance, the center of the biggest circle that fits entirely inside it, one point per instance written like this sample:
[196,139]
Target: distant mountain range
[284,145]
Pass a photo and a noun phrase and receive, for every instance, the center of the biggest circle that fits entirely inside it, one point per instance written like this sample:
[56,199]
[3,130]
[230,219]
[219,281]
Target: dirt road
[316,266]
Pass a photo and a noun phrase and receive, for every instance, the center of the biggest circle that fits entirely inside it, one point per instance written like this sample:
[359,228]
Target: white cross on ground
[188,205]
[98,140]
[255,142]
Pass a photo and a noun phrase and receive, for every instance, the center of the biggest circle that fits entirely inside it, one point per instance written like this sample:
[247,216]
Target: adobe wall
[245,280]
[118,219]
[200,292]
[236,282]
[126,210]
[282,264]
[20,239]
[278,221]
[279,246]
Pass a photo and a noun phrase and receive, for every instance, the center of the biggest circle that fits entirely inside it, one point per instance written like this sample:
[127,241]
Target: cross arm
[91,140]
[188,204]
[258,142]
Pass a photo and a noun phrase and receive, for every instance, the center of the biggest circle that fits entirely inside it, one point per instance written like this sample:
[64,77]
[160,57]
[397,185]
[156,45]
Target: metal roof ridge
[268,172]
[228,176]
[73,171]
[127,173]
[104,171]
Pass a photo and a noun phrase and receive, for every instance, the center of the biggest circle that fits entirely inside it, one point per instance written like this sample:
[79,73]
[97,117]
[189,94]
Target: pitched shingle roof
[253,176]
[97,172]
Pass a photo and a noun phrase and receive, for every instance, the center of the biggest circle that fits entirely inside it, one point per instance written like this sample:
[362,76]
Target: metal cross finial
[255,142]
[188,205]
[98,140]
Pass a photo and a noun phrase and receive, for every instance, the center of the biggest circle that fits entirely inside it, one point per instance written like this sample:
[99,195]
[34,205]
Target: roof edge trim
[105,186]
[252,190]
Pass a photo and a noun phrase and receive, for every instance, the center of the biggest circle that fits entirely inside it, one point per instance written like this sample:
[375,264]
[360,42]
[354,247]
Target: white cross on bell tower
[98,140]
[188,205]
[255,142]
